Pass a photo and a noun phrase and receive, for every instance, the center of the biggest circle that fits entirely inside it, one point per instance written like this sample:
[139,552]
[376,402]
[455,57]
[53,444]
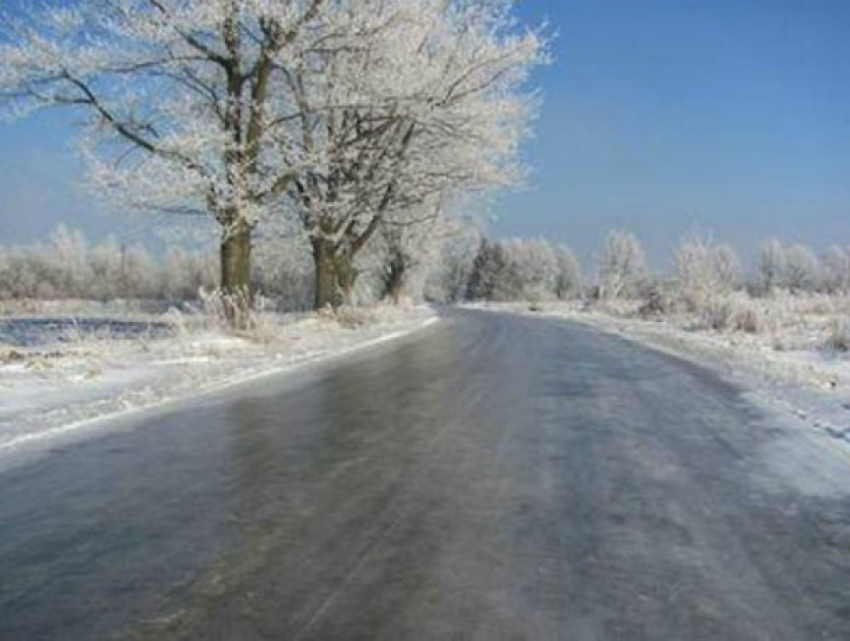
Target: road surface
[492,477]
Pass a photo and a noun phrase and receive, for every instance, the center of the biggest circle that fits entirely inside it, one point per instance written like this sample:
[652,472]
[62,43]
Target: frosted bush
[348,316]
[734,312]
[660,301]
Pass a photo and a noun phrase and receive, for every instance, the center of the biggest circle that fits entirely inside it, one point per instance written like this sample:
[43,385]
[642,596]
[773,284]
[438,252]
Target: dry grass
[838,339]
[782,320]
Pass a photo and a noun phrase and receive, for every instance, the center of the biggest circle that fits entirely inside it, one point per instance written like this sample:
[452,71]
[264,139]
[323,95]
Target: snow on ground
[54,387]
[787,366]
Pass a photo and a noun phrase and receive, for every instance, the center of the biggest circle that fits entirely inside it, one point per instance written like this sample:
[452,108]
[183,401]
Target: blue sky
[660,116]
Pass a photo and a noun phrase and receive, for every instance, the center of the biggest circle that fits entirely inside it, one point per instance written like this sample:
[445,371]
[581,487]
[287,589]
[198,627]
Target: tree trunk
[323,260]
[335,275]
[236,272]
[394,279]
[346,277]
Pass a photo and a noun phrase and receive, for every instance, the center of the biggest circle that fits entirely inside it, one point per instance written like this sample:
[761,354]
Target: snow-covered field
[790,363]
[58,375]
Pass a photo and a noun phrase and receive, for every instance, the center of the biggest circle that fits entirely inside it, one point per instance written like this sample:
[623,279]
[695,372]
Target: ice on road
[491,477]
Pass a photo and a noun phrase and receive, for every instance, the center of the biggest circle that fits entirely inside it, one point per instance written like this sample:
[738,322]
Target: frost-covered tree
[568,283]
[533,269]
[802,269]
[67,259]
[727,266]
[836,269]
[524,269]
[185,273]
[622,268]
[180,99]
[105,263]
[448,277]
[772,265]
[540,270]
[704,269]
[416,101]
[796,268]
[406,250]
[490,276]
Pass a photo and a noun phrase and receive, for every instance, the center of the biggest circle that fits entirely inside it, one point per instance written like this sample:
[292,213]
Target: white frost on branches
[338,114]
[623,269]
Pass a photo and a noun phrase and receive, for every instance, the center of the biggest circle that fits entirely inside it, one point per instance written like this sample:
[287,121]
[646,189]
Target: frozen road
[491,477]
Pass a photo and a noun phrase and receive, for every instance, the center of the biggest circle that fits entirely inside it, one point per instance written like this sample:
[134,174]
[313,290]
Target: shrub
[734,312]
[659,302]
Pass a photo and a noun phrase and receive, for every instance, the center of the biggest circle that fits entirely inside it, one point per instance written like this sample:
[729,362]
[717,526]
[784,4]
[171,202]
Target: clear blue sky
[660,116]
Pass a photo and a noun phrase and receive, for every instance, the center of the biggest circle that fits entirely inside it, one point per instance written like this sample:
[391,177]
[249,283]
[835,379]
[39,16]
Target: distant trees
[440,258]
[490,276]
[67,267]
[798,269]
[447,280]
[518,269]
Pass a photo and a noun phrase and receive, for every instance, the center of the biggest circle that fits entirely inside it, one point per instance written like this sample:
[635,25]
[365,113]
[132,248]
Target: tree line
[536,269]
[458,264]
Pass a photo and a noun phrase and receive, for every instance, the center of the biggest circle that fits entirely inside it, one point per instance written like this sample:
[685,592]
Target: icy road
[491,477]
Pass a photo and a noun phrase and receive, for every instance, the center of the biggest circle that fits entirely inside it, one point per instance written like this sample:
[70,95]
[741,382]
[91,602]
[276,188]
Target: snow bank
[57,389]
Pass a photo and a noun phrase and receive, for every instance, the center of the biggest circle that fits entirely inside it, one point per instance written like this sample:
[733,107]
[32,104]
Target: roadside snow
[52,390]
[787,368]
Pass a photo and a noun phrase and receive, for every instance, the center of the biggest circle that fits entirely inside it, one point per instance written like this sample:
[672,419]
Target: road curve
[492,477]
